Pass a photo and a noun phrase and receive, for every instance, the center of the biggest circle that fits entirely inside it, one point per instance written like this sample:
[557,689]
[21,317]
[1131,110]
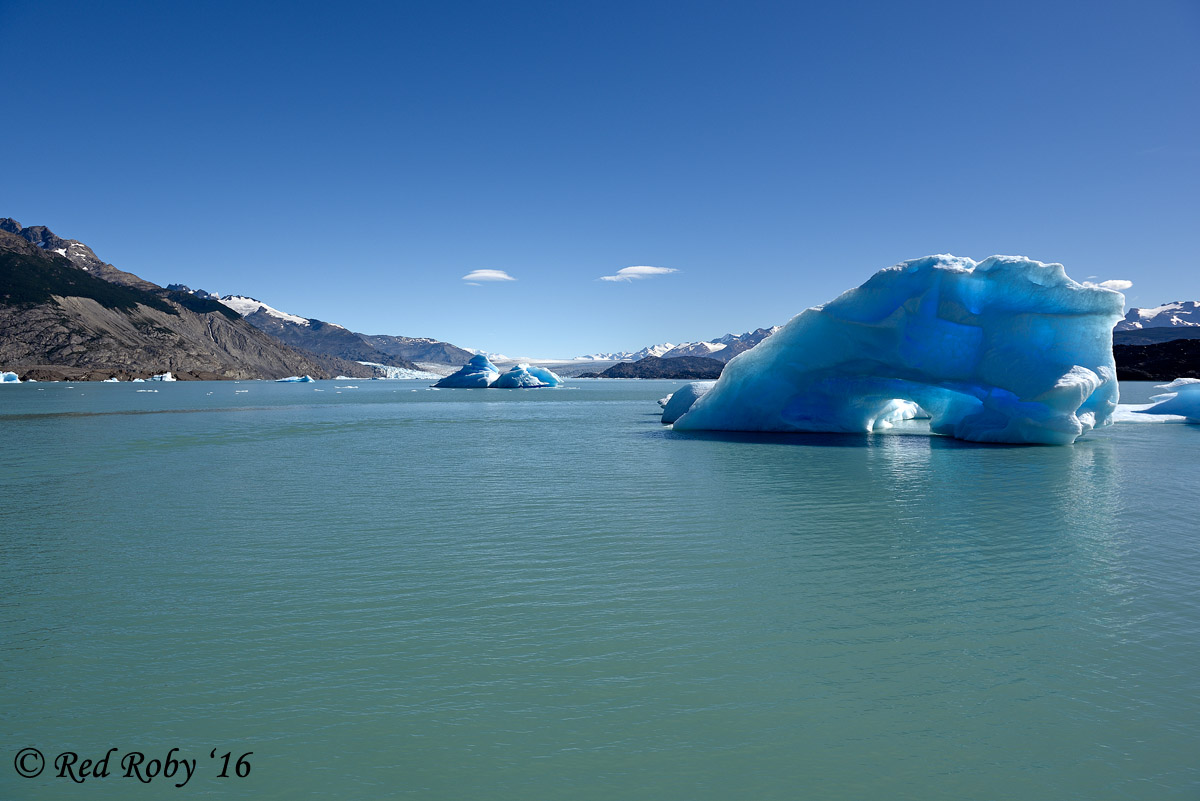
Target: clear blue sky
[354,161]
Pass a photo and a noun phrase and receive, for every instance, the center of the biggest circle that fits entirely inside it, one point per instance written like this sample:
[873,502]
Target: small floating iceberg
[9,378]
[522,376]
[1183,400]
[679,401]
[477,373]
[295,379]
[138,381]
[113,380]
[163,377]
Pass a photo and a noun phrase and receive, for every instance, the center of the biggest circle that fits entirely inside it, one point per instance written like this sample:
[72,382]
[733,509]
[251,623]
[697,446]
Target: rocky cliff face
[79,254]
[1160,361]
[683,368]
[64,313]
[320,338]
[418,349]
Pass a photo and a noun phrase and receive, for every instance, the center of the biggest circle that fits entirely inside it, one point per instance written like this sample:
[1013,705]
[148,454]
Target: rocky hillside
[418,349]
[310,334]
[682,368]
[1150,336]
[1161,361]
[64,313]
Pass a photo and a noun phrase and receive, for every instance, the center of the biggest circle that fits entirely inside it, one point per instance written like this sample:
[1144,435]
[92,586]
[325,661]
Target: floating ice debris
[138,381]
[295,379]
[111,381]
[478,372]
[9,378]
[145,390]
[522,376]
[240,391]
[1183,400]
[679,401]
[348,386]
[1005,350]
[163,377]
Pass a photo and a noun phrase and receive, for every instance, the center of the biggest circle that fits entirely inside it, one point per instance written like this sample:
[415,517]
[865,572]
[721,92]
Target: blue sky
[355,161]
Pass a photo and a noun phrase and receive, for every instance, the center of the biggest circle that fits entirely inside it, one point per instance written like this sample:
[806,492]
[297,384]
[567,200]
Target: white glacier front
[1005,350]
[397,373]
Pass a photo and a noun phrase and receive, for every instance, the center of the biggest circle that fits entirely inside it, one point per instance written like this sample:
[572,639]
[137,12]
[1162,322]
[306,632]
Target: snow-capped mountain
[722,348]
[1184,313]
[695,349]
[318,336]
[247,306]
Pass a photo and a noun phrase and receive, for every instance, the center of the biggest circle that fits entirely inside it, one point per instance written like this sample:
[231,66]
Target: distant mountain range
[1180,314]
[64,313]
[721,349]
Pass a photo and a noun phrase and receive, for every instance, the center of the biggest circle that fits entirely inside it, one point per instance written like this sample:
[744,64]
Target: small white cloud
[487,275]
[1117,283]
[634,273]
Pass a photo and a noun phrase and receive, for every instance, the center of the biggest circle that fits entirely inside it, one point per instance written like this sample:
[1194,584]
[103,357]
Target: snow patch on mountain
[246,306]
[1180,313]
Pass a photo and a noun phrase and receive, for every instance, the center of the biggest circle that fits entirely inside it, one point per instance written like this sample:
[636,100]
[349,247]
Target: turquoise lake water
[489,594]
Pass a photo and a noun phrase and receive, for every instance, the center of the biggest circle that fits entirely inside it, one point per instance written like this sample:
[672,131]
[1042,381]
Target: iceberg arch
[1006,350]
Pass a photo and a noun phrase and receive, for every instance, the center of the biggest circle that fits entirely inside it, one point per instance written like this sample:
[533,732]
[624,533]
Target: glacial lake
[393,592]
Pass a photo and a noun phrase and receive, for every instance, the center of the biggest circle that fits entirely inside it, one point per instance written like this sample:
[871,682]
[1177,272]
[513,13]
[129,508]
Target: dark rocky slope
[418,349]
[60,320]
[1162,361]
[683,368]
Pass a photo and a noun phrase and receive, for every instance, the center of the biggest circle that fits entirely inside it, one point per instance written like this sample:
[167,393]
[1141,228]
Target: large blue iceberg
[478,372]
[1182,400]
[1005,350]
[522,376]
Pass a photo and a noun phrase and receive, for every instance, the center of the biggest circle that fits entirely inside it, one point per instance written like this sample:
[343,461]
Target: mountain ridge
[65,312]
[58,320]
